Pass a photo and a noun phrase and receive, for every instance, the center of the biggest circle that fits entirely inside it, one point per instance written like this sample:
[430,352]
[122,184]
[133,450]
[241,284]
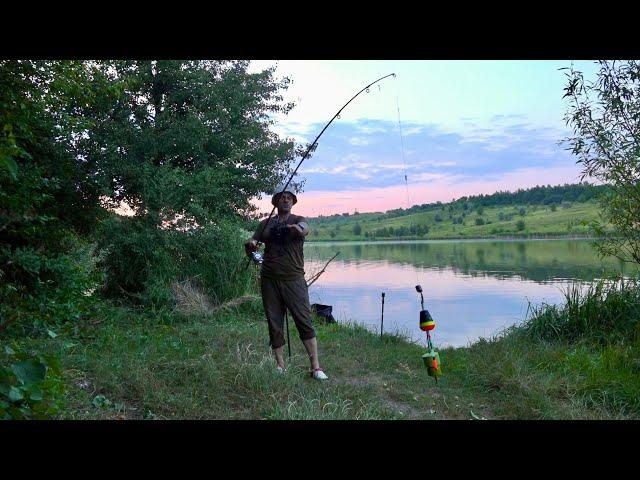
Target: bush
[479,221]
[41,290]
[520,225]
[144,261]
[608,310]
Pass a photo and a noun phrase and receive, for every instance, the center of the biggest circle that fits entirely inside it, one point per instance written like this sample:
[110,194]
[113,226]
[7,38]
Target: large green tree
[187,140]
[187,145]
[41,118]
[605,117]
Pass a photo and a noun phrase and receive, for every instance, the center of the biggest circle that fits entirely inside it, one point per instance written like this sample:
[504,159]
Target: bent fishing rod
[256,257]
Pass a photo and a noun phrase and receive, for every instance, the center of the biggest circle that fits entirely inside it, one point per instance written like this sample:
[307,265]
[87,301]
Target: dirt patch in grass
[387,394]
[87,401]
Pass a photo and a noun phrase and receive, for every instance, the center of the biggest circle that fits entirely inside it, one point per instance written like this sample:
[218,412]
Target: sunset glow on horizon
[451,128]
[322,202]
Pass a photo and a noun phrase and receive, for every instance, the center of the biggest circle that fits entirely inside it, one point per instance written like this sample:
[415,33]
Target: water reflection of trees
[533,260]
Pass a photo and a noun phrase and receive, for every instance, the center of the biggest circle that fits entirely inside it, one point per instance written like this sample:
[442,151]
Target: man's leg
[274,310]
[311,346]
[296,296]
[277,352]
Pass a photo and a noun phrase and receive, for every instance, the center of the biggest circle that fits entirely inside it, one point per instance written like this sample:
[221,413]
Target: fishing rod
[255,256]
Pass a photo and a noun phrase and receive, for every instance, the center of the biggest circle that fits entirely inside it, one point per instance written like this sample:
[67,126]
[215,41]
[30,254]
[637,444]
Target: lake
[472,288]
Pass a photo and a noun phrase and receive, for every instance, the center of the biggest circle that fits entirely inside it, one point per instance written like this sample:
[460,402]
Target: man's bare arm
[301,229]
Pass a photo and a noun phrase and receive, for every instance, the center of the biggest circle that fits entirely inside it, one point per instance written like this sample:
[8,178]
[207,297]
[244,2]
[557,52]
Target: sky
[454,128]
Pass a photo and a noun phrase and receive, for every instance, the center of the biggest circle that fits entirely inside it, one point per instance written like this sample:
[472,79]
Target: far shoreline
[499,238]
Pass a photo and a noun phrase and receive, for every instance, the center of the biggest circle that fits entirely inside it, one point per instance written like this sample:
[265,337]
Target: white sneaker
[280,370]
[318,374]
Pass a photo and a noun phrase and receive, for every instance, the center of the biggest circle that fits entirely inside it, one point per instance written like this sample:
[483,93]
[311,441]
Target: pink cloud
[322,202]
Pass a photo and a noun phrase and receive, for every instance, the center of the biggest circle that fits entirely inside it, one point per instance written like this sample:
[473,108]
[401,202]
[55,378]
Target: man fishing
[282,281]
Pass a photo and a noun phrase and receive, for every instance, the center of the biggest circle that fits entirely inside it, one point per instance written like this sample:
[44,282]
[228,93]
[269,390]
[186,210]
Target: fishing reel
[256,257]
[252,252]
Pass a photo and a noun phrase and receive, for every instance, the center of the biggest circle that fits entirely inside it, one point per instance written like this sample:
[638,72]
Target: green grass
[137,365]
[539,220]
[607,311]
[220,367]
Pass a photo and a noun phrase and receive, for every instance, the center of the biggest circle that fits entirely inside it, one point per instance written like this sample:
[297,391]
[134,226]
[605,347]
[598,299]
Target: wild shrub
[607,310]
[41,290]
[143,262]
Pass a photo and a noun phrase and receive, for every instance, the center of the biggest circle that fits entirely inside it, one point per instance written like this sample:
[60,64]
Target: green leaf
[100,401]
[3,405]
[4,389]
[10,165]
[15,394]
[35,393]
[8,350]
[52,334]
[29,371]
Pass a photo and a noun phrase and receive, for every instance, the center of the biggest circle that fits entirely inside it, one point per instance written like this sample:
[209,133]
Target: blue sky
[468,127]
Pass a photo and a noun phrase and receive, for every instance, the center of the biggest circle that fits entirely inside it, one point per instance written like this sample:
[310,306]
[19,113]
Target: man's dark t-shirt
[283,252]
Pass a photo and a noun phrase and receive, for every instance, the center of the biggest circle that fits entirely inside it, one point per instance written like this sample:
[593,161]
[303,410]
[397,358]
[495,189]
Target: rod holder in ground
[382,318]
[286,319]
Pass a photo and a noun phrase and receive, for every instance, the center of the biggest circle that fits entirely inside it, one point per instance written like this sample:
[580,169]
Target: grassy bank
[519,221]
[577,362]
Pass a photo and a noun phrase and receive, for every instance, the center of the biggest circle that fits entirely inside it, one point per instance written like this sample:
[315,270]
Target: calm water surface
[472,289]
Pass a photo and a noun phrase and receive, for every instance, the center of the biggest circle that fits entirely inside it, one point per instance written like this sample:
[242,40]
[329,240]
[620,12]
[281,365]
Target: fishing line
[431,359]
[404,169]
[404,163]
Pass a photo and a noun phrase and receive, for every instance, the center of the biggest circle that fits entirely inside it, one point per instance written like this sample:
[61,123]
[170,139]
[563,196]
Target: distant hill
[540,211]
